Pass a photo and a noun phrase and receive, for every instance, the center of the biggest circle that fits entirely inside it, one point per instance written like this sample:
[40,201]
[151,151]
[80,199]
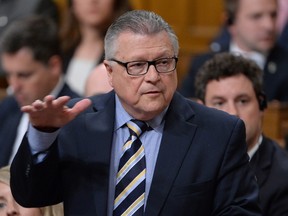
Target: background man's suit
[200,165]
[10,116]
[270,164]
[275,74]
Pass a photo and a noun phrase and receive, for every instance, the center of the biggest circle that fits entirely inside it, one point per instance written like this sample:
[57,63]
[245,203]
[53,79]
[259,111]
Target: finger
[61,101]
[48,100]
[27,108]
[38,105]
[80,106]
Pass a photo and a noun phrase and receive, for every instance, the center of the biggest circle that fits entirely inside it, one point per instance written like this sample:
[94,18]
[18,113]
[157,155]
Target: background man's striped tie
[130,185]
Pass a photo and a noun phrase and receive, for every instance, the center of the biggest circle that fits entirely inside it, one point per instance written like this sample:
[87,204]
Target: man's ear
[109,70]
[199,101]
[55,65]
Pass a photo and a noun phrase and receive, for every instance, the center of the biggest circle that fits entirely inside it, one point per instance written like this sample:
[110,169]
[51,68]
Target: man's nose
[232,109]
[12,210]
[152,73]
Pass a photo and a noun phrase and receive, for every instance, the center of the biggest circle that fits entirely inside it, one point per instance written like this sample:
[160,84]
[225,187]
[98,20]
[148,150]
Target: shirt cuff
[40,141]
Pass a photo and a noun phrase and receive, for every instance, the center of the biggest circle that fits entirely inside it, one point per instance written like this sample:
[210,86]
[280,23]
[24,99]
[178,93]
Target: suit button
[28,168]
[272,67]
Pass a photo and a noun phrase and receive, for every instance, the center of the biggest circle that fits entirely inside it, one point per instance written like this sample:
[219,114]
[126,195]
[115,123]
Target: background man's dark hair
[37,33]
[225,65]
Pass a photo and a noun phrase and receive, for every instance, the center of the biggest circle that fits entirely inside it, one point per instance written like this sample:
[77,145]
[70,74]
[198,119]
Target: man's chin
[265,48]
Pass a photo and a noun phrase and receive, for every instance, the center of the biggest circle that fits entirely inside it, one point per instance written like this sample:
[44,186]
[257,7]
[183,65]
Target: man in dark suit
[31,59]
[195,157]
[252,25]
[234,84]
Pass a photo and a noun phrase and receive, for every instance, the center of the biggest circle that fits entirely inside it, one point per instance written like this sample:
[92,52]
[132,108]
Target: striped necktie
[130,184]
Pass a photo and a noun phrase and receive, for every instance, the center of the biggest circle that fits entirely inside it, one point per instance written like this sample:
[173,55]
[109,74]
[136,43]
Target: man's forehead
[131,42]
[235,84]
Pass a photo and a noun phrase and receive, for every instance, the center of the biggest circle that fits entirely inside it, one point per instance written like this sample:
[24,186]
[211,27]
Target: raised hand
[53,113]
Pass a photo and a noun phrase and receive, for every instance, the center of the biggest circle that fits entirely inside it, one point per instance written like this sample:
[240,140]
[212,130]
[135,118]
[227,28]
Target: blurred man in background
[31,60]
[252,25]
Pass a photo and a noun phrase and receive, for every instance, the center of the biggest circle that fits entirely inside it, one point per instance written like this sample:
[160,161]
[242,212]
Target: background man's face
[28,78]
[235,95]
[254,27]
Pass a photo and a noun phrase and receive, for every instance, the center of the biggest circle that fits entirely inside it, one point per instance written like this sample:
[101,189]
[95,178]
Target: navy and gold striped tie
[130,184]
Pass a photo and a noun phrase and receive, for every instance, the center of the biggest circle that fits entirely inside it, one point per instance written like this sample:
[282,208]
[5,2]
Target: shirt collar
[257,57]
[253,150]
[122,117]
[55,92]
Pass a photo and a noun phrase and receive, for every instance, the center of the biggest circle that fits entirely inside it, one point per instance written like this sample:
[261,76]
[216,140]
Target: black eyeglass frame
[125,64]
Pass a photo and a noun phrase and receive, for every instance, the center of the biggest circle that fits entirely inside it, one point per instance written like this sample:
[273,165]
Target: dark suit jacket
[270,164]
[275,77]
[10,115]
[283,38]
[202,166]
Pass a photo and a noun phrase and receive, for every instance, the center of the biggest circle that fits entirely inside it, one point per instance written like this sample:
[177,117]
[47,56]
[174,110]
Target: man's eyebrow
[217,97]
[243,95]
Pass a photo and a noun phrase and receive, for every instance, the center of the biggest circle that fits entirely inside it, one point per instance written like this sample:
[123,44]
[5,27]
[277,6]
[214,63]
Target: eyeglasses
[138,68]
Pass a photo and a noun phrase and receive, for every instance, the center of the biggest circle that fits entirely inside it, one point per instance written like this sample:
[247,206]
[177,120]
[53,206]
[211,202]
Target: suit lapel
[262,161]
[176,140]
[100,129]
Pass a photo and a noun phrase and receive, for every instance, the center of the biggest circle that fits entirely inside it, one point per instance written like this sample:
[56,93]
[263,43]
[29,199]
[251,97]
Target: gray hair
[139,22]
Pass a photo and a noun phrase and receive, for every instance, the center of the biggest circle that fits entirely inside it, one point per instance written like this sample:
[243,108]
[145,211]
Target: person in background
[187,155]
[252,25]
[32,63]
[82,35]
[8,206]
[223,38]
[234,84]
[12,10]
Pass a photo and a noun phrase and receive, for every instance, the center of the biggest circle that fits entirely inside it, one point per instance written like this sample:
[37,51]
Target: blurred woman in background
[82,35]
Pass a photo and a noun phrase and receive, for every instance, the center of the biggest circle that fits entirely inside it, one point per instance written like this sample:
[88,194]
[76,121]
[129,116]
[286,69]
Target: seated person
[252,25]
[234,84]
[32,63]
[82,37]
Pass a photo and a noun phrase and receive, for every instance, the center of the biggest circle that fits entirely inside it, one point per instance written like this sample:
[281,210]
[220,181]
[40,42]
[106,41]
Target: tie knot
[137,127]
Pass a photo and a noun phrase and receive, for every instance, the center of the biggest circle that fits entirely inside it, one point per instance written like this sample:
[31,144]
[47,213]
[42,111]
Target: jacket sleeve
[35,184]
